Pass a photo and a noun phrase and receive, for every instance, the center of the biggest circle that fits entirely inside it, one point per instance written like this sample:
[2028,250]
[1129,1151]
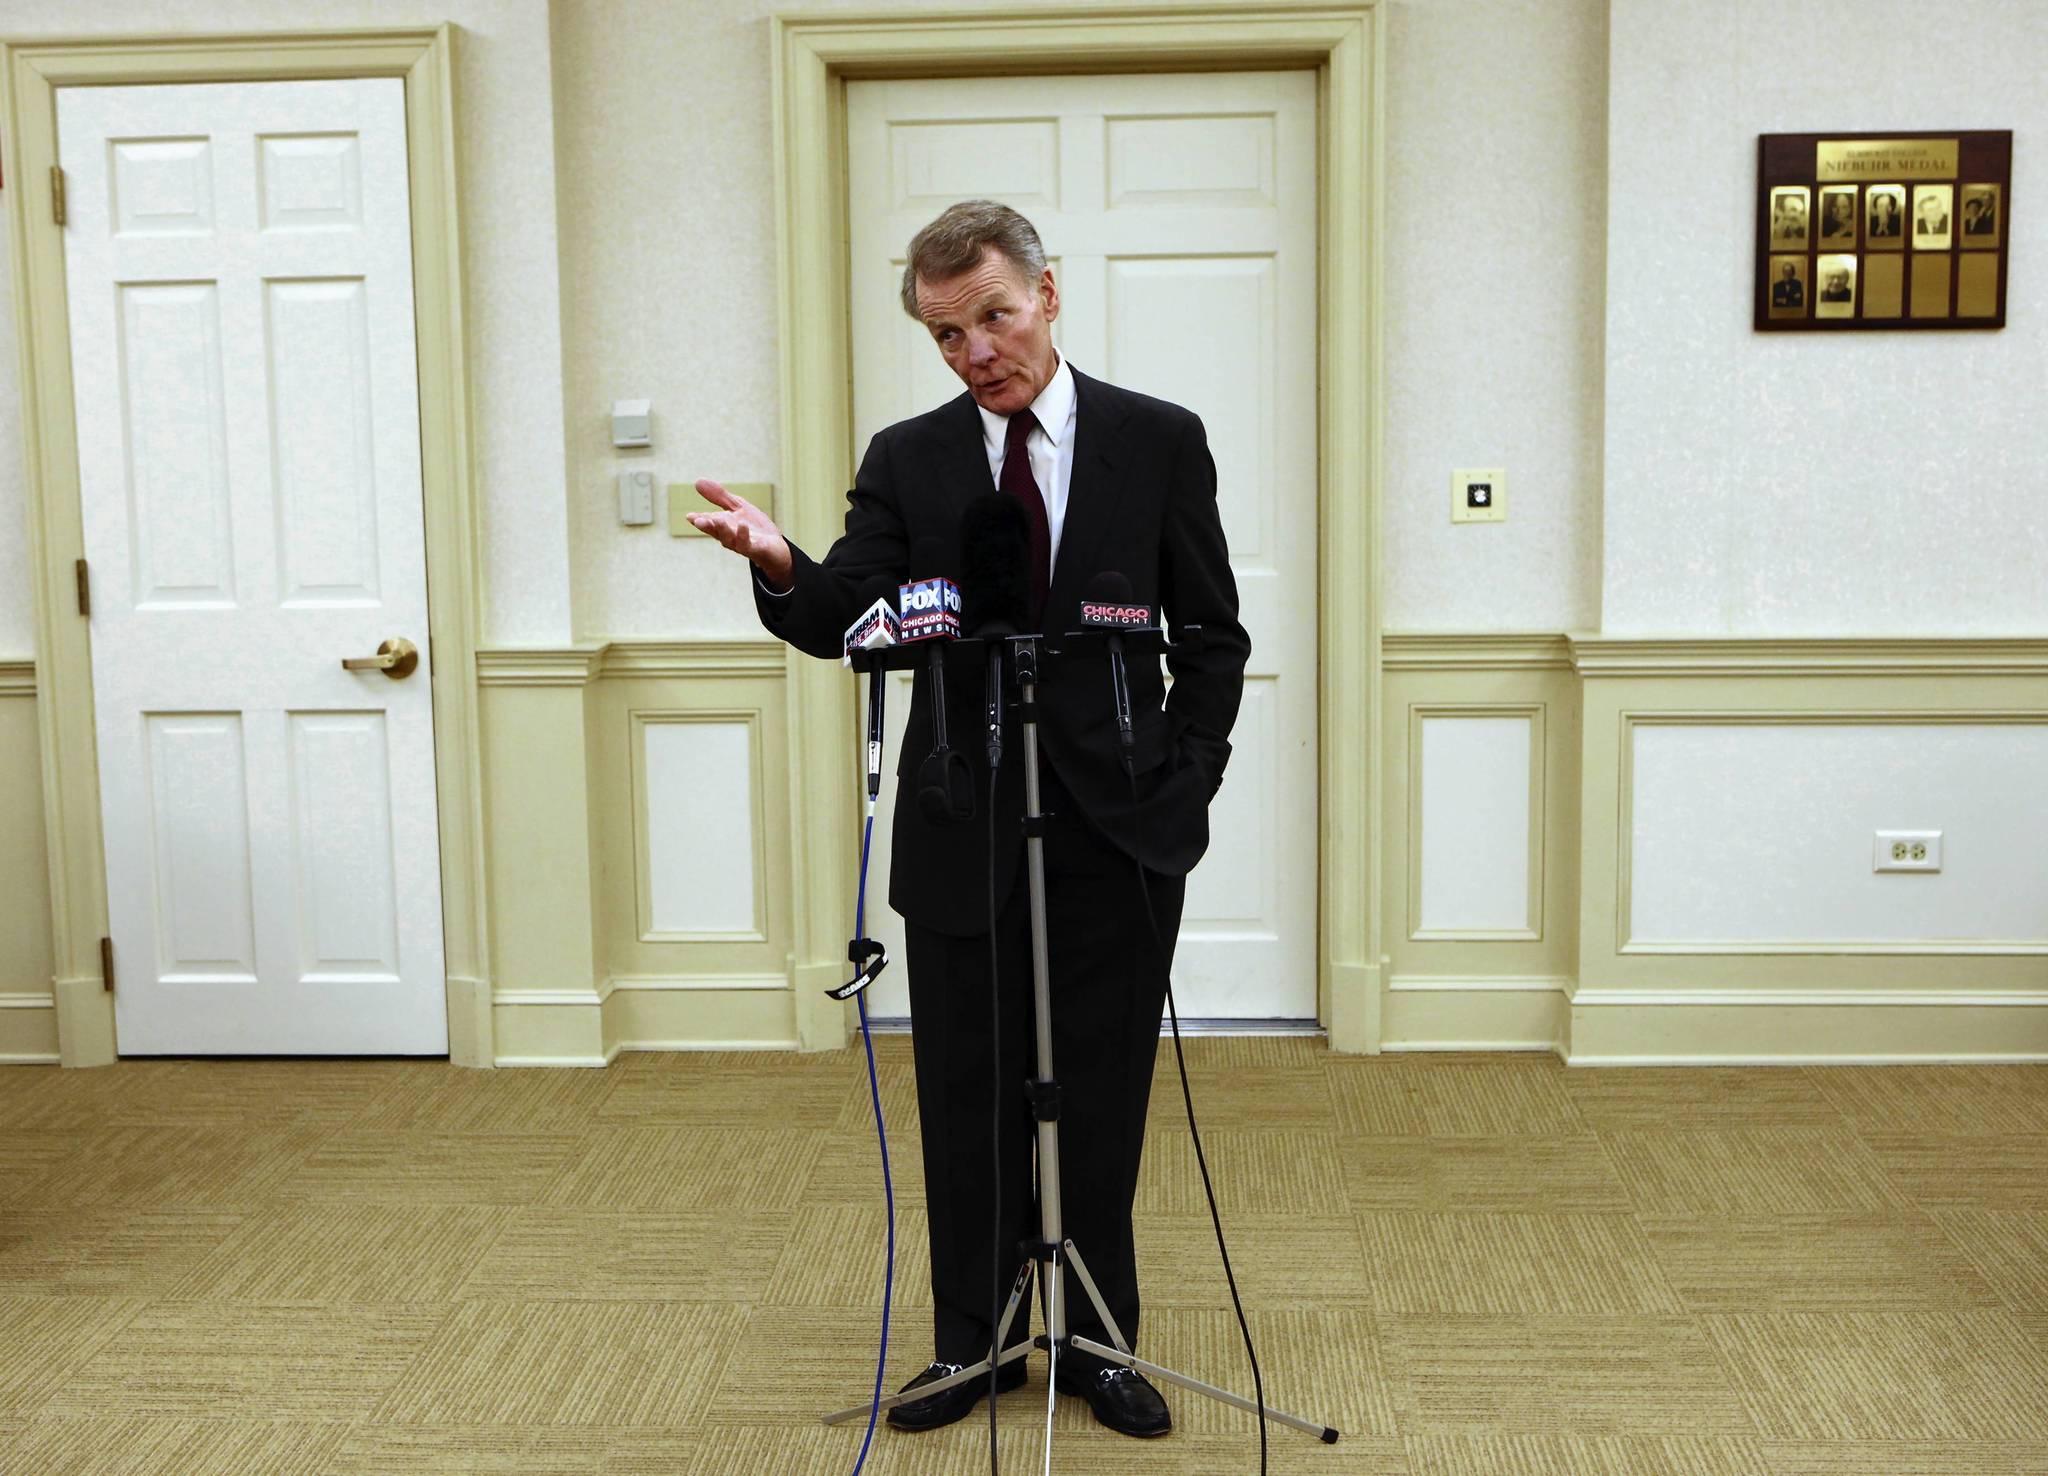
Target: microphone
[874,628]
[931,612]
[994,552]
[1109,604]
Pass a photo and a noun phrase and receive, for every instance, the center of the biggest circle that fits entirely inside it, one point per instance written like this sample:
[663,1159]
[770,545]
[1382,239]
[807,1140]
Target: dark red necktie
[1018,482]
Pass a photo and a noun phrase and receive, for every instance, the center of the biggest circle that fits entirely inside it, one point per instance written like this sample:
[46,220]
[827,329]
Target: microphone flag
[1114,614]
[876,626]
[931,609]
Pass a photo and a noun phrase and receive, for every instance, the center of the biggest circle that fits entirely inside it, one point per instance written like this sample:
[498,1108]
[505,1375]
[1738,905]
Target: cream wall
[507,164]
[1875,483]
[1496,203]
[668,263]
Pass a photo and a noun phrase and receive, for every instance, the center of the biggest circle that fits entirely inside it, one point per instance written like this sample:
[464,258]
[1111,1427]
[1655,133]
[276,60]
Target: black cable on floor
[1188,1098]
[995,1152]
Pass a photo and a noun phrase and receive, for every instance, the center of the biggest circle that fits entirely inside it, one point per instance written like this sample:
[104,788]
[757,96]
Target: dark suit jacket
[1142,502]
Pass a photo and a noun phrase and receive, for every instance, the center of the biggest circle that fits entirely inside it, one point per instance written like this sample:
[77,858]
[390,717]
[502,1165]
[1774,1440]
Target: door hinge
[107,962]
[57,194]
[84,589]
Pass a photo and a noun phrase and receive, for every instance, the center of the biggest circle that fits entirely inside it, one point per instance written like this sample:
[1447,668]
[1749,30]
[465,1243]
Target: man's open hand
[746,530]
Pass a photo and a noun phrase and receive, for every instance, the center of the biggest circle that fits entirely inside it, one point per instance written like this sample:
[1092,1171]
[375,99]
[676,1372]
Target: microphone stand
[1049,1257]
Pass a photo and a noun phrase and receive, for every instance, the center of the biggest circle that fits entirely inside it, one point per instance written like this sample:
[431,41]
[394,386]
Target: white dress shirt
[1050,447]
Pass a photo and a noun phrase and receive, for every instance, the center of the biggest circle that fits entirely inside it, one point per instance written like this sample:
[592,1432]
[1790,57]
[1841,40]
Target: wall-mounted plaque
[1881,230]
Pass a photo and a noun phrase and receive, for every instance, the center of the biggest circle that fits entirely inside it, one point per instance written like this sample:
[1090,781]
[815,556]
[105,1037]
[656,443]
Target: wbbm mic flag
[931,607]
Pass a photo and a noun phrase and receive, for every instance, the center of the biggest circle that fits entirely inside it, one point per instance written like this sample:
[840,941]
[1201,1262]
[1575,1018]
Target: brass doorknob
[397,658]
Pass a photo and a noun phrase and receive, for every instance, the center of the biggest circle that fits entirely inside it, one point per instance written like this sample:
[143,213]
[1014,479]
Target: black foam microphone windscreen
[945,785]
[995,579]
[1109,588]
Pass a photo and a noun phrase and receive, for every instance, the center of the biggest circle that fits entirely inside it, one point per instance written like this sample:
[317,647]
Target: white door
[1180,216]
[238,264]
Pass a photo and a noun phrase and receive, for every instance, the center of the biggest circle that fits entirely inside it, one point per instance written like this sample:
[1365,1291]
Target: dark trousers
[1108,987]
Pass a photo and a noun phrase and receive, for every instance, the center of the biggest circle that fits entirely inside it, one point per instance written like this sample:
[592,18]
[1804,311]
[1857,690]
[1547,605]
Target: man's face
[1788,272]
[994,329]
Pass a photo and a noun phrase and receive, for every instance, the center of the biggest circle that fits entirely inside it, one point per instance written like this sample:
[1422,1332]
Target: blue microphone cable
[882,1136]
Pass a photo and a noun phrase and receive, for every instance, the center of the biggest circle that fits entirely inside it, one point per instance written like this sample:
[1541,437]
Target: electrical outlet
[1907,850]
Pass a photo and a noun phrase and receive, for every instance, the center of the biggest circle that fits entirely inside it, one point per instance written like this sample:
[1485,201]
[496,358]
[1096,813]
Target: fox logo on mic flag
[931,607]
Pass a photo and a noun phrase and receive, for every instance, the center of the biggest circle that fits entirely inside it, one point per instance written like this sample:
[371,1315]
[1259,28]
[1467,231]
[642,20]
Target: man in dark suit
[1109,480]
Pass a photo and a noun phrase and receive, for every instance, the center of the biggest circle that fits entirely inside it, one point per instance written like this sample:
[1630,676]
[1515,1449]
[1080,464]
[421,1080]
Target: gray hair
[955,241]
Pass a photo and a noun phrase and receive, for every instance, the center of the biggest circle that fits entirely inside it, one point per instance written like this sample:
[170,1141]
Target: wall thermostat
[632,422]
[636,498]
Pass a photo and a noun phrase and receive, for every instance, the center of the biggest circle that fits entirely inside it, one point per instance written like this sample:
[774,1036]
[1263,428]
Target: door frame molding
[815,56]
[30,74]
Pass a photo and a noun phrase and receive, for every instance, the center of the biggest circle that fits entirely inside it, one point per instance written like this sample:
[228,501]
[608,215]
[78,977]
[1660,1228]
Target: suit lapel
[1094,491]
[964,454]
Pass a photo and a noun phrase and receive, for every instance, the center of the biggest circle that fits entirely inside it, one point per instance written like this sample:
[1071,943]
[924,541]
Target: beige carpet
[1470,1264]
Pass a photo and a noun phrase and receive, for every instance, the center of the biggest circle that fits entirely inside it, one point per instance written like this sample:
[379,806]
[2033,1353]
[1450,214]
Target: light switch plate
[684,498]
[1479,495]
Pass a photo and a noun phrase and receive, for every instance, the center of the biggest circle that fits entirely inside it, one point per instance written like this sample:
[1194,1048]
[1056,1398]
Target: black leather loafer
[948,1405]
[1120,1398]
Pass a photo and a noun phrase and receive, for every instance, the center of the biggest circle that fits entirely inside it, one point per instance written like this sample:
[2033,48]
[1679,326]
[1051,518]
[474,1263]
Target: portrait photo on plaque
[1788,216]
[1979,211]
[1837,278]
[1932,204]
[1788,286]
[1884,217]
[1837,216]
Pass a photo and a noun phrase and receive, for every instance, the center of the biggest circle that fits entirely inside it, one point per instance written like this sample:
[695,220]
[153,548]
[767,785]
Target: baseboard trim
[1808,998]
[28,1028]
[789,1047]
[1481,983]
[1715,1027]
[590,1026]
[669,983]
[1987,1058]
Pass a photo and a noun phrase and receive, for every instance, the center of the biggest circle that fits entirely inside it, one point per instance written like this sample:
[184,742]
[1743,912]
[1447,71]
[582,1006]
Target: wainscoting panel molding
[28,1005]
[1801,973]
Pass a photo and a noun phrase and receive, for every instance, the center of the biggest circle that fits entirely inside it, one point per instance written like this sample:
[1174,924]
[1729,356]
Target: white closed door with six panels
[239,272]
[1179,213]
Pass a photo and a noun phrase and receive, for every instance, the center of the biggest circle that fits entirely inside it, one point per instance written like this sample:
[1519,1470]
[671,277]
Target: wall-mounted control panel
[636,498]
[632,423]
[1479,495]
